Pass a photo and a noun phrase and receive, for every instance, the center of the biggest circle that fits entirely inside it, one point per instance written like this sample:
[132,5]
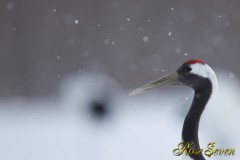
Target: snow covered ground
[94,119]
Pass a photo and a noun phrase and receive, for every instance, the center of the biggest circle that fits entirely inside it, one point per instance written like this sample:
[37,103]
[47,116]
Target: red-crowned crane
[199,76]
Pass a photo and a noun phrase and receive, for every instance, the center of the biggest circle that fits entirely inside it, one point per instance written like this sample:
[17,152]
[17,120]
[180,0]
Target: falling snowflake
[106,41]
[79,70]
[76,21]
[145,39]
[10,6]
[140,28]
[231,75]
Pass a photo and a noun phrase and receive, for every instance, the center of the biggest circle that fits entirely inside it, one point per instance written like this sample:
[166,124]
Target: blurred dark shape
[90,97]
[99,110]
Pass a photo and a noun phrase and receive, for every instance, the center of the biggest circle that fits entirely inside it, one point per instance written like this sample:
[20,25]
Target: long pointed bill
[170,79]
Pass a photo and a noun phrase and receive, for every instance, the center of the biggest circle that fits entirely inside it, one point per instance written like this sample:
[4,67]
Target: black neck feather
[191,122]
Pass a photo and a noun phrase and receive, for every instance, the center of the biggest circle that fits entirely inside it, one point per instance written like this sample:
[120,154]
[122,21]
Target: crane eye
[188,69]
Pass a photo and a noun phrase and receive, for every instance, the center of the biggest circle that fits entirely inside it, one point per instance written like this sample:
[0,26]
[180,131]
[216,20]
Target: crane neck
[191,122]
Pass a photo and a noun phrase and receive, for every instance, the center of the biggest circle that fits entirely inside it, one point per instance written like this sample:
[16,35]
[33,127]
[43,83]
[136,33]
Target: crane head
[192,73]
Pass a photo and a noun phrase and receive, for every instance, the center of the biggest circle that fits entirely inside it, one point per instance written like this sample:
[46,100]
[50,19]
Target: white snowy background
[67,68]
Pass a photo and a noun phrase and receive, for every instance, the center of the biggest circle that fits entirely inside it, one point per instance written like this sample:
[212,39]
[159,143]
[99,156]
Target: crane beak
[170,79]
